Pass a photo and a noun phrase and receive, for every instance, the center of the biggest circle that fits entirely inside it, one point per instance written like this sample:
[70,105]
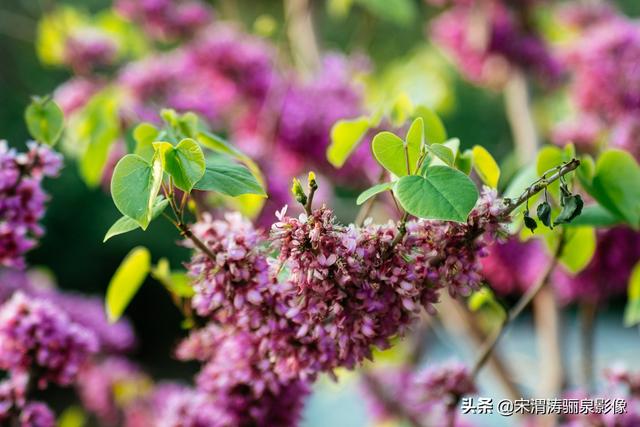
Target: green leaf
[632,310]
[134,187]
[530,223]
[434,130]
[126,281]
[579,247]
[442,152]
[178,283]
[45,120]
[184,162]
[389,150]
[145,134]
[615,185]
[415,134]
[444,193]
[372,191]
[229,179]
[464,162]
[126,224]
[346,135]
[548,158]
[486,166]
[544,214]
[572,207]
[452,144]
[220,145]
[94,130]
[586,171]
[596,216]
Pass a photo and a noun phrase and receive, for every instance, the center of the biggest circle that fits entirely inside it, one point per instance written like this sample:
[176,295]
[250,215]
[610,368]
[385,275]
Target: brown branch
[540,185]
[513,314]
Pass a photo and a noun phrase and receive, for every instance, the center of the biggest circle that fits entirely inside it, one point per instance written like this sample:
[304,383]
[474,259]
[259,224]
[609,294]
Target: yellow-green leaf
[485,166]
[126,281]
[345,137]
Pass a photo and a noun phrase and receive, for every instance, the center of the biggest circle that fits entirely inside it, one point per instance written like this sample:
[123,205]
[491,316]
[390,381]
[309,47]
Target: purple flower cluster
[16,410]
[511,267]
[621,384]
[487,40]
[36,336]
[22,198]
[332,294]
[239,377]
[606,80]
[85,311]
[424,395]
[167,19]
[222,70]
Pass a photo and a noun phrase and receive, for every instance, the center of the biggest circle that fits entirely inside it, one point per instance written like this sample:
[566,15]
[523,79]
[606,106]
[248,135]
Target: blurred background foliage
[77,217]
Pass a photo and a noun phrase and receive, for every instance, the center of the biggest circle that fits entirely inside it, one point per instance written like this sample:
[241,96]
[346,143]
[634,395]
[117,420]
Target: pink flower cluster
[486,39]
[167,19]
[37,336]
[85,51]
[424,394]
[606,80]
[331,294]
[22,198]
[13,401]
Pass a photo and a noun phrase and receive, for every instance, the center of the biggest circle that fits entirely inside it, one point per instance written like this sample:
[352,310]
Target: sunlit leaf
[346,134]
[126,281]
[390,152]
[485,166]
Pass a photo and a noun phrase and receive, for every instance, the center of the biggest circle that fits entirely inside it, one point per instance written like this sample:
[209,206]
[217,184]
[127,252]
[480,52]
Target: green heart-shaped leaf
[389,150]
[134,187]
[184,163]
[444,193]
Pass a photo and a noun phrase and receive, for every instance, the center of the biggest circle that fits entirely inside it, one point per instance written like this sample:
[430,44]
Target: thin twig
[513,314]
[540,185]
